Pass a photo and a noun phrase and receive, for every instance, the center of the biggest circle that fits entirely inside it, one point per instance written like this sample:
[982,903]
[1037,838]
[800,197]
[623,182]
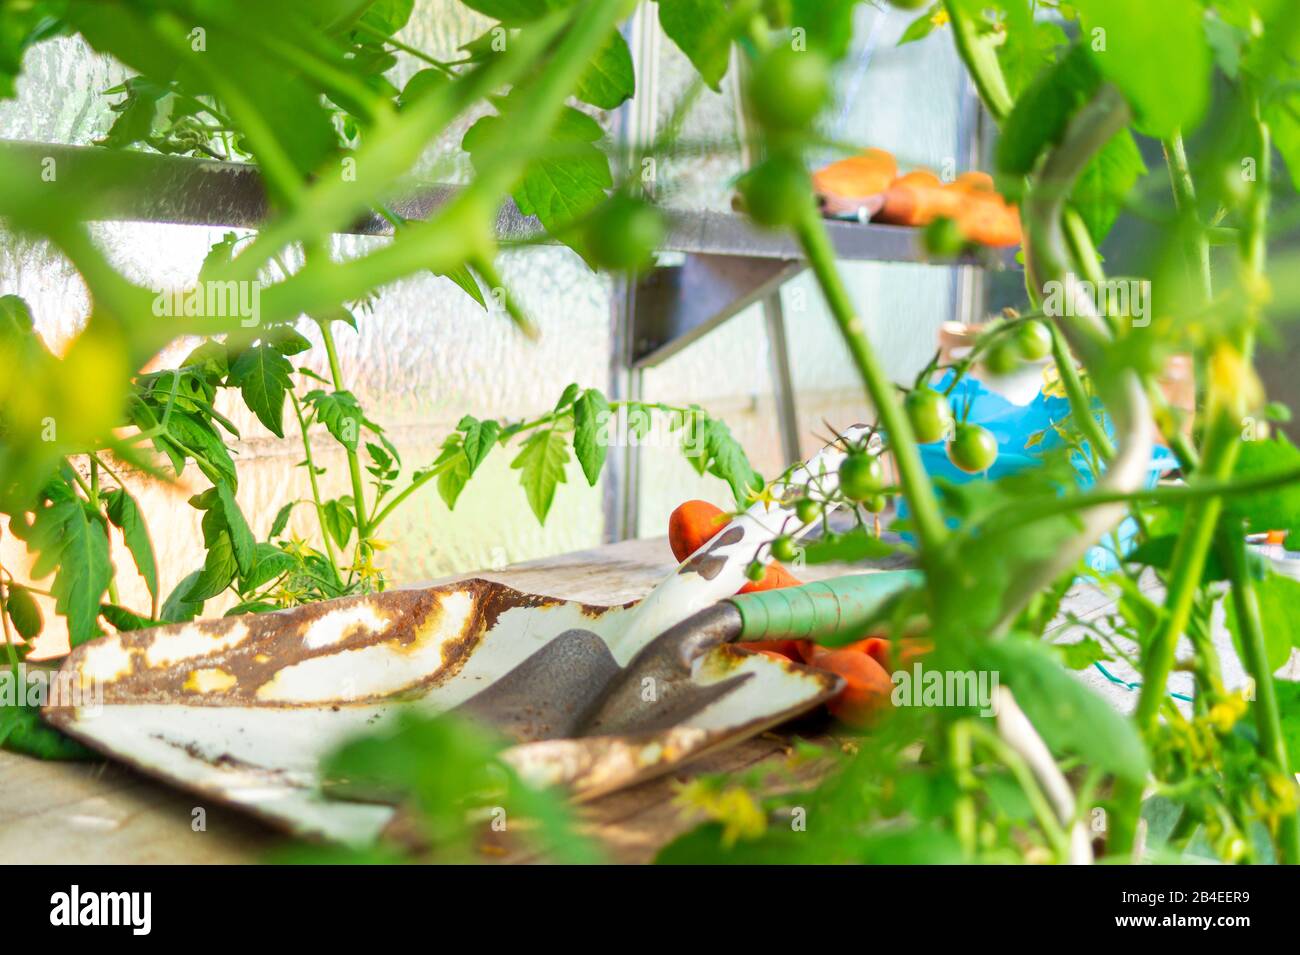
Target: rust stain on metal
[433,634]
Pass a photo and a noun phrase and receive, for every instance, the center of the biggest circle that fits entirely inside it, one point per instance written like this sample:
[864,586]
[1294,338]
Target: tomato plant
[1080,93]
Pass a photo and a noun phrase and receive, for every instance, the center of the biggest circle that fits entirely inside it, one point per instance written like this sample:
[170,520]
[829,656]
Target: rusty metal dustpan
[241,710]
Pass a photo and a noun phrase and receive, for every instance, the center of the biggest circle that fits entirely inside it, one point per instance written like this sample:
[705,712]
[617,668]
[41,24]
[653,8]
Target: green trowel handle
[845,605]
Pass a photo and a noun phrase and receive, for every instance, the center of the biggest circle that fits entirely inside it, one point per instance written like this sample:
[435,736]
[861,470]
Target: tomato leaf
[1106,182]
[241,537]
[1068,715]
[478,438]
[541,464]
[1288,699]
[1156,53]
[201,443]
[270,562]
[610,80]
[177,608]
[22,731]
[262,374]
[590,414]
[281,519]
[464,278]
[125,514]
[123,619]
[828,24]
[1042,112]
[1275,508]
[72,543]
[341,414]
[728,461]
[516,11]
[339,521]
[219,569]
[561,185]
[1083,653]
[921,27]
[695,26]
[24,612]
[1279,612]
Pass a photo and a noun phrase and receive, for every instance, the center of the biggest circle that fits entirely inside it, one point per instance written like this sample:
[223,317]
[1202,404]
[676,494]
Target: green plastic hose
[844,606]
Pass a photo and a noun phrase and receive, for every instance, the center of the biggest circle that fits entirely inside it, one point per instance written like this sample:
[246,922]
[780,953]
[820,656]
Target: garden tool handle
[717,569]
[821,609]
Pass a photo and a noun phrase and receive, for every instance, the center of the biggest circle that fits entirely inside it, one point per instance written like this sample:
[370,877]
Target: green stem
[1080,405]
[1232,537]
[91,491]
[9,639]
[1186,568]
[963,813]
[484,267]
[1042,809]
[930,528]
[1180,179]
[397,44]
[315,486]
[981,59]
[1268,717]
[354,461]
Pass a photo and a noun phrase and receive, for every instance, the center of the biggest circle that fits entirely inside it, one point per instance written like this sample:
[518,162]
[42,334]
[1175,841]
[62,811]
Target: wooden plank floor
[104,813]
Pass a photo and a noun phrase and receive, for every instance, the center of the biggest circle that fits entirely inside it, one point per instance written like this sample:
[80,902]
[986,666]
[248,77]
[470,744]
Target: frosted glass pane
[424,356]
[698,174]
[727,372]
[60,94]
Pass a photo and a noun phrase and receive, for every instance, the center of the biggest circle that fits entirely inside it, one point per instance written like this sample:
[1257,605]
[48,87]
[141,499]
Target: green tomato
[624,234]
[944,238]
[776,191]
[1003,357]
[930,414]
[861,476]
[789,88]
[755,571]
[807,510]
[876,504]
[1034,341]
[784,549]
[973,448]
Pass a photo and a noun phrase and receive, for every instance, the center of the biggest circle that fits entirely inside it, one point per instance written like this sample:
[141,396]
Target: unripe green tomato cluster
[930,414]
[807,510]
[973,448]
[776,191]
[624,234]
[784,549]
[861,476]
[1030,341]
[944,238]
[789,88]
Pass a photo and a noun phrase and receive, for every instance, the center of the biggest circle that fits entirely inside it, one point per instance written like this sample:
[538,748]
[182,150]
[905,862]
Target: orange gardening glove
[867,685]
[691,526]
